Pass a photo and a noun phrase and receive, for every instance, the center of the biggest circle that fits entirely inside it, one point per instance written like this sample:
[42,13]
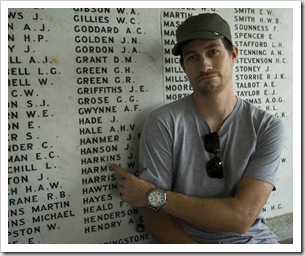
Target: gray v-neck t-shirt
[173,157]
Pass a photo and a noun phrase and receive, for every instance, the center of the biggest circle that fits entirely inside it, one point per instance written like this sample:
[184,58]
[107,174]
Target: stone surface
[282,226]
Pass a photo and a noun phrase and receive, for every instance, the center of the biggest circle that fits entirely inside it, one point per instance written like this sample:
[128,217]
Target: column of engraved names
[35,198]
[255,34]
[105,86]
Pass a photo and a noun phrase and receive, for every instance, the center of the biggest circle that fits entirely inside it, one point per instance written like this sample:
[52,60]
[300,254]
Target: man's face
[208,66]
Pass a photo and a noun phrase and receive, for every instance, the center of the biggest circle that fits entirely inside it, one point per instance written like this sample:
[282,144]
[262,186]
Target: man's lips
[206,77]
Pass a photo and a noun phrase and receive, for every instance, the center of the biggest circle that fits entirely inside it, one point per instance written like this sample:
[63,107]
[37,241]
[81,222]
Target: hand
[133,190]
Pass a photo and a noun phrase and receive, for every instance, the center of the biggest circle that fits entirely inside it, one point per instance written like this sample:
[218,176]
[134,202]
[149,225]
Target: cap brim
[202,34]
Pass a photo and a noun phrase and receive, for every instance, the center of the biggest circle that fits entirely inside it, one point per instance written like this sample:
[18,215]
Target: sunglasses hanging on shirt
[214,165]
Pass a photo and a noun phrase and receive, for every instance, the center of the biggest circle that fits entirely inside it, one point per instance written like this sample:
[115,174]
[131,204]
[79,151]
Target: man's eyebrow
[212,46]
[186,52]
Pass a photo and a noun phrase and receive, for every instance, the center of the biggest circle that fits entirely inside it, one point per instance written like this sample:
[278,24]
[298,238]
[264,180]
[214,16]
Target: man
[208,162]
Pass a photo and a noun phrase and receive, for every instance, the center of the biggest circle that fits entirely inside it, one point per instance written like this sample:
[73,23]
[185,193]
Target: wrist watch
[156,198]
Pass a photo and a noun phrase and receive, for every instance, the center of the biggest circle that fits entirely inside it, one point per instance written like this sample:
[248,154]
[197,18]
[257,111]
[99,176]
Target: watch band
[154,208]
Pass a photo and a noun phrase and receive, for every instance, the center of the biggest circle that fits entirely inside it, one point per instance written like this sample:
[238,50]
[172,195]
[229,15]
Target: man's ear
[234,54]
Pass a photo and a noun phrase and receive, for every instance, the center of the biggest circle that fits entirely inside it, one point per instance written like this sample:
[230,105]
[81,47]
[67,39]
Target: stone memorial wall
[81,83]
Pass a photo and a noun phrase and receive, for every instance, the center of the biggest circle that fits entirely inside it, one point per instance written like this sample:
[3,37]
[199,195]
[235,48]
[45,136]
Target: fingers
[120,170]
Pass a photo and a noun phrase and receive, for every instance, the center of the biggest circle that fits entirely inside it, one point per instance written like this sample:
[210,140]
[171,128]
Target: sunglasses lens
[214,168]
[211,142]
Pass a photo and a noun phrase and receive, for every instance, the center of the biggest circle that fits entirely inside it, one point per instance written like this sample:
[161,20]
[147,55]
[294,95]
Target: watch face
[156,198]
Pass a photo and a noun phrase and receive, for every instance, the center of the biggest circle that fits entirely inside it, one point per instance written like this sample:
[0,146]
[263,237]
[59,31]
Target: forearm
[216,214]
[164,228]
[230,214]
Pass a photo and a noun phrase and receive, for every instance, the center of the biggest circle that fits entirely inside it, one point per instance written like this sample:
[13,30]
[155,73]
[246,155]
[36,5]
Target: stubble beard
[211,88]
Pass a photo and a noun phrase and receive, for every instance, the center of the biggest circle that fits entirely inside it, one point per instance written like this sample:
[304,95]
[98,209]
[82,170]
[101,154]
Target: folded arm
[230,214]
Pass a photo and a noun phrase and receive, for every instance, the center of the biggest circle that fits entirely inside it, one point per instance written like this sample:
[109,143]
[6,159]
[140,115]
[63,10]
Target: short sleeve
[264,163]
[155,153]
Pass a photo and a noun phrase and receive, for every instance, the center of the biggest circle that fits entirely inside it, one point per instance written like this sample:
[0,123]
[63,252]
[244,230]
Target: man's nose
[205,64]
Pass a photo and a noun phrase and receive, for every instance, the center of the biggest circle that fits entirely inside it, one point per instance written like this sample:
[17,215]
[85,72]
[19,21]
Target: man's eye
[192,57]
[214,52]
